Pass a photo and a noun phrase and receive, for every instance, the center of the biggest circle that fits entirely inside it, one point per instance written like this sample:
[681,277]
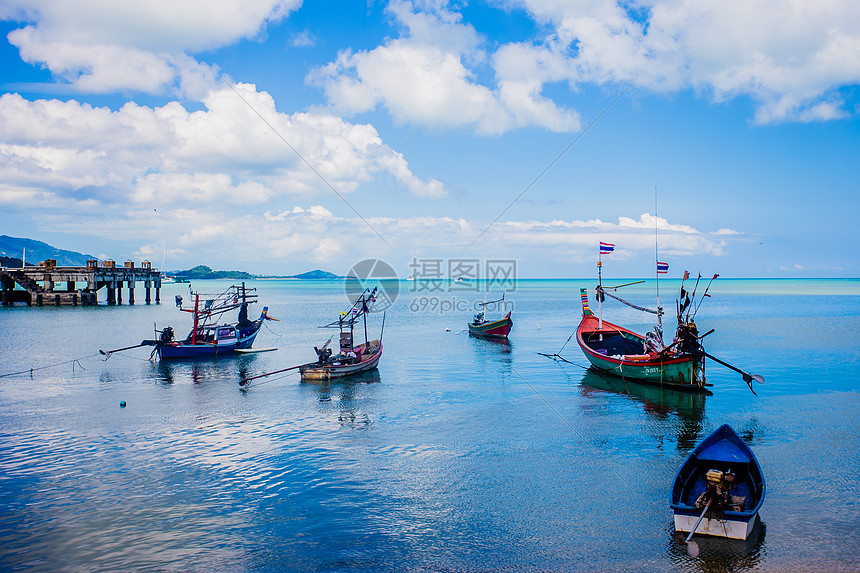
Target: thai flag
[662,268]
[606,248]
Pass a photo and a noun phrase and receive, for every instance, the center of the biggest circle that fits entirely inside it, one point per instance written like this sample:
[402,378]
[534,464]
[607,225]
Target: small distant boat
[208,338]
[483,328]
[351,358]
[719,489]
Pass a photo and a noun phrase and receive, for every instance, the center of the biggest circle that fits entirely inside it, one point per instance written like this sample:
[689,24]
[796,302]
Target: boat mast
[196,308]
[599,292]
[657,271]
[364,312]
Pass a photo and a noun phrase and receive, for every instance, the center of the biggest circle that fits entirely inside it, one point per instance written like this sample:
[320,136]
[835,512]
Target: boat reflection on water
[493,357]
[491,345]
[719,554]
[198,370]
[341,396]
[685,409]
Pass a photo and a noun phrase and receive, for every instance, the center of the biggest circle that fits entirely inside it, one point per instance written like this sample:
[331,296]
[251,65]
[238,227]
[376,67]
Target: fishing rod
[658,312]
[485,303]
[704,295]
[694,295]
[621,286]
[347,317]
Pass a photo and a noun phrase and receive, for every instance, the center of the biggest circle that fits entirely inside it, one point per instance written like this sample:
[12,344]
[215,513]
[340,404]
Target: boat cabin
[220,334]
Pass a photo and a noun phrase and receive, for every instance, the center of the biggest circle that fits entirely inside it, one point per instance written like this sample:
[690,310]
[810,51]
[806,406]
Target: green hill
[37,251]
[315,275]
[202,272]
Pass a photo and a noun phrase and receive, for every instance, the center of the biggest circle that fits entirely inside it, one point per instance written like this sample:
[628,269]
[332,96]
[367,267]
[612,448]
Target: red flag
[686,275]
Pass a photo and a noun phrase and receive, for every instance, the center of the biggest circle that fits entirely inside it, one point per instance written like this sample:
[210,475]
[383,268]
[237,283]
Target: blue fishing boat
[719,488]
[208,337]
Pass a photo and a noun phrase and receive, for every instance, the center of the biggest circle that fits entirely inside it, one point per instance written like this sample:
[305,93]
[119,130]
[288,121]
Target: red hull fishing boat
[352,358]
[619,351]
[483,328]
[616,350]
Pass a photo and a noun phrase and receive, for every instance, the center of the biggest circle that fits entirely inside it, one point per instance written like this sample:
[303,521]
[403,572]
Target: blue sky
[277,136]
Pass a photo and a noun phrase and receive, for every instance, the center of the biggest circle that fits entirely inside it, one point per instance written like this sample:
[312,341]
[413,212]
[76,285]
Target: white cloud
[168,155]
[102,46]
[424,79]
[790,57]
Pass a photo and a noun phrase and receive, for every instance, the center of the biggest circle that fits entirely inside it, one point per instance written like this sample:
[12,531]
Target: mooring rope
[30,371]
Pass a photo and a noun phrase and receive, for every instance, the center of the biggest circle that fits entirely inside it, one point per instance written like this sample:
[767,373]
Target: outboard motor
[166,335]
[323,354]
[718,492]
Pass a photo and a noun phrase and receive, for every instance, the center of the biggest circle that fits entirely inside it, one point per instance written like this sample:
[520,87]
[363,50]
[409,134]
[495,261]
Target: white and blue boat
[209,338]
[719,488]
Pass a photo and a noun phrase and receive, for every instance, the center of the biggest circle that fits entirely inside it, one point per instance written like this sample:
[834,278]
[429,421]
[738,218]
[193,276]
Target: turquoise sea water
[457,455]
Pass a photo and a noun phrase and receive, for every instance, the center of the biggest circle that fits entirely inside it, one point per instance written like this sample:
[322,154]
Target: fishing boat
[351,358]
[646,358]
[719,489]
[614,349]
[483,328]
[208,337]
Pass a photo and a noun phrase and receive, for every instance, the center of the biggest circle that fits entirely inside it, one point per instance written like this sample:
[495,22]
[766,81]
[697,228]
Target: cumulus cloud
[102,46]
[790,58]
[424,78]
[168,155]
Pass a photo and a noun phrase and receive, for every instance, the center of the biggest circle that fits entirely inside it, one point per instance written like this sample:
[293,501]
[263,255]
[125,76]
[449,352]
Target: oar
[109,352]
[748,378]
[245,381]
[692,546]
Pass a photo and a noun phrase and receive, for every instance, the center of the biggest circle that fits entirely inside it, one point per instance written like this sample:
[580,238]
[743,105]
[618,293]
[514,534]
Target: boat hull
[723,450]
[223,347]
[621,352]
[334,370]
[496,329]
[728,527]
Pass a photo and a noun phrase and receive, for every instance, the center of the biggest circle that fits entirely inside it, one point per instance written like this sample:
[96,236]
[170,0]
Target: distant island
[202,272]
[12,248]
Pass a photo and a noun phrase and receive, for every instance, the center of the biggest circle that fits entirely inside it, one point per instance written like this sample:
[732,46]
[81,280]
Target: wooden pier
[48,284]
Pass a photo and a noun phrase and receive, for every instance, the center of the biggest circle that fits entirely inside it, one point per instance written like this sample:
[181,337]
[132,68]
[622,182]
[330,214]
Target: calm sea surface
[457,455]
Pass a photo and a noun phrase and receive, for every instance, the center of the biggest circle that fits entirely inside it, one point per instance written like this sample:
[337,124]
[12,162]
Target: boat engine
[323,354]
[166,335]
[718,492]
